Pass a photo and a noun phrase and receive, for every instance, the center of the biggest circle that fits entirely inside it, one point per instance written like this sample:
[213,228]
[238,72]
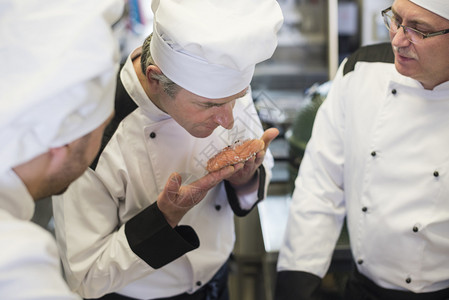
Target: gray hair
[146,60]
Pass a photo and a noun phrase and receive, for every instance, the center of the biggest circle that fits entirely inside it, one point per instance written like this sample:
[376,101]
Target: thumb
[269,135]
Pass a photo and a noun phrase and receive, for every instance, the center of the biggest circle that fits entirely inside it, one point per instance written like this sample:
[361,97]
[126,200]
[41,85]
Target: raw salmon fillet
[231,155]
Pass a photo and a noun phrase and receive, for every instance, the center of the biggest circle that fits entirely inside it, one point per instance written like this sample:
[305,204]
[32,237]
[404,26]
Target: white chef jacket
[379,153]
[29,262]
[93,219]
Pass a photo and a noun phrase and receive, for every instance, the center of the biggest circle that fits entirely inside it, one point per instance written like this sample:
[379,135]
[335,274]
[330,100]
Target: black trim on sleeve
[297,285]
[372,53]
[234,200]
[155,241]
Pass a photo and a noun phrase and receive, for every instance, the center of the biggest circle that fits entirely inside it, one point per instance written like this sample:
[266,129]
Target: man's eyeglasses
[413,35]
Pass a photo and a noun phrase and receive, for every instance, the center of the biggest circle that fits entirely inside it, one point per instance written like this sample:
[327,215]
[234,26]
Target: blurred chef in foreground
[58,64]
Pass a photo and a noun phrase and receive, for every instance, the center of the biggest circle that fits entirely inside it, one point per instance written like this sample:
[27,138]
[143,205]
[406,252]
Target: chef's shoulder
[369,54]
[22,240]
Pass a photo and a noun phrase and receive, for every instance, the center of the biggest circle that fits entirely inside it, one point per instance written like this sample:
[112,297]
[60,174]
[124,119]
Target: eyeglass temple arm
[441,32]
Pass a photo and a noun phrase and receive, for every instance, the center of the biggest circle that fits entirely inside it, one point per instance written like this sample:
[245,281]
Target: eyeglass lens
[393,25]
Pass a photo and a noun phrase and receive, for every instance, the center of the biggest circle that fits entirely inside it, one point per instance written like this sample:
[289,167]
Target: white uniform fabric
[216,44]
[132,171]
[439,7]
[29,261]
[57,73]
[378,153]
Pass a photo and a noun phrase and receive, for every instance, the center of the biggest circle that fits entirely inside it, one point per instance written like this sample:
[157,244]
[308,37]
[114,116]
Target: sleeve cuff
[297,285]
[152,239]
[234,199]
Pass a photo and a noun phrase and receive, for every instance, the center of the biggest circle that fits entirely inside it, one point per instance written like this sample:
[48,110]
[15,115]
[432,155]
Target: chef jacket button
[217,207]
[364,209]
[408,280]
[393,91]
[152,135]
[198,283]
[436,174]
[415,228]
[373,153]
[360,261]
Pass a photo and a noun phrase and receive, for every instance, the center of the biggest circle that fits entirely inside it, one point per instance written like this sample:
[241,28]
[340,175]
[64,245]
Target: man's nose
[224,116]
[399,39]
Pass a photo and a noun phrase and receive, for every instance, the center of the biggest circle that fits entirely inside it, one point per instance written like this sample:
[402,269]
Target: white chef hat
[439,7]
[58,64]
[210,47]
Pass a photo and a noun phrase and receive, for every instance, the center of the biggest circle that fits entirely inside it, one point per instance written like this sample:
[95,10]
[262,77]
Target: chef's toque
[439,7]
[211,47]
[58,64]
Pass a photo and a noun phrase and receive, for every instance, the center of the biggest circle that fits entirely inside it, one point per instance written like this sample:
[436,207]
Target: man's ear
[58,156]
[36,172]
[152,82]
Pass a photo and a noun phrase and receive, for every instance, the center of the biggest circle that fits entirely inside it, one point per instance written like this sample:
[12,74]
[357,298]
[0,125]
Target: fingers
[176,192]
[250,164]
[177,199]
[172,186]
[168,199]
[212,179]
[260,156]
[269,135]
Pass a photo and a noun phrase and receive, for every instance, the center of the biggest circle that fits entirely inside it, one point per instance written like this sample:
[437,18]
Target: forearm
[244,198]
[155,241]
[317,209]
[142,245]
[100,253]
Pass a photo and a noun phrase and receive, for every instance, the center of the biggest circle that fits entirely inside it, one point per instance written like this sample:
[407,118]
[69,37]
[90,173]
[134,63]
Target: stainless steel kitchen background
[287,90]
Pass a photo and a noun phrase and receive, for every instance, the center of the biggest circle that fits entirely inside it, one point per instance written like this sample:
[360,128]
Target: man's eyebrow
[413,21]
[212,103]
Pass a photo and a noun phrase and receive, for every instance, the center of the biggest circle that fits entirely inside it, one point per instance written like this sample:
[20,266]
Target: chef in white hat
[378,156]
[190,84]
[58,63]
